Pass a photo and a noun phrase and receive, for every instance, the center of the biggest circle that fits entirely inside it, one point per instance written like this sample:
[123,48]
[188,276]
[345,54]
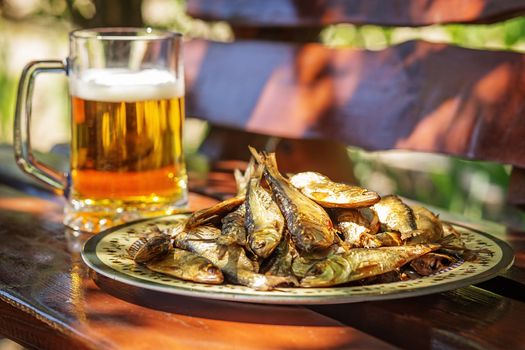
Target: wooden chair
[276,79]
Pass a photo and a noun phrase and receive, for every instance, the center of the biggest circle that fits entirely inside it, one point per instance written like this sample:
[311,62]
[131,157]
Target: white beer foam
[123,85]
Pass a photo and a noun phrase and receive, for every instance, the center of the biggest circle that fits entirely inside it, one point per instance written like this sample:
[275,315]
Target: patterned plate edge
[92,260]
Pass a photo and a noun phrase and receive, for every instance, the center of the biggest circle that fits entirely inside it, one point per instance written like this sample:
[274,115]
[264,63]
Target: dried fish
[395,215]
[327,193]
[373,220]
[355,228]
[429,228]
[264,221]
[148,248]
[233,227]
[359,263]
[301,265]
[232,259]
[389,239]
[187,266]
[309,224]
[431,263]
[331,194]
[448,229]
[264,238]
[213,213]
[280,262]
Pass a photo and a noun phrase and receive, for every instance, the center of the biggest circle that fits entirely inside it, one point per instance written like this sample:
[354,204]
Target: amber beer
[126,147]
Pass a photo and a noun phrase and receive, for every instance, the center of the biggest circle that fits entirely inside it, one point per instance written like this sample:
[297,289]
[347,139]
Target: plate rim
[90,258]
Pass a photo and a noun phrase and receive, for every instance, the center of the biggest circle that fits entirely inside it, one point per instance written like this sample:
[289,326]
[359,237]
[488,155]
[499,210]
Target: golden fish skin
[264,221]
[187,266]
[148,248]
[448,229]
[280,262]
[355,228]
[232,259]
[395,215]
[202,240]
[359,263]
[373,220]
[429,227]
[389,239]
[233,230]
[329,194]
[309,224]
[262,282]
[213,213]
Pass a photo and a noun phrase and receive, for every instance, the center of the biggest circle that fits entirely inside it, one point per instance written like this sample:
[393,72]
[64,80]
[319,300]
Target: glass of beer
[127,114]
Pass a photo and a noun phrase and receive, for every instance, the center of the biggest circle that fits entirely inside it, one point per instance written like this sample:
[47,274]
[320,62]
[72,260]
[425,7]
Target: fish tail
[242,179]
[271,167]
[259,157]
[447,240]
[250,169]
[257,173]
[268,161]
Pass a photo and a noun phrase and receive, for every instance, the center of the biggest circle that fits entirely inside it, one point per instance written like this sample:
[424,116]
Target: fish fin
[222,250]
[259,157]
[208,220]
[239,181]
[271,161]
[250,169]
[449,241]
[242,179]
[258,172]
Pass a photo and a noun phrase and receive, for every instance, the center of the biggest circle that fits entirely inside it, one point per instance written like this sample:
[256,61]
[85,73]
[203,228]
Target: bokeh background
[37,29]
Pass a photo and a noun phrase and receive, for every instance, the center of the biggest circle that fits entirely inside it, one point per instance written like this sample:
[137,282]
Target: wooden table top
[48,300]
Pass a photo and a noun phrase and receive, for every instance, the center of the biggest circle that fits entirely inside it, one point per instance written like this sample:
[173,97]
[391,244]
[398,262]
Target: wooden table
[49,301]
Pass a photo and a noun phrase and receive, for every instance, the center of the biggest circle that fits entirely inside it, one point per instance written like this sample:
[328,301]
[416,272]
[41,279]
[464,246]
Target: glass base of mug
[85,215]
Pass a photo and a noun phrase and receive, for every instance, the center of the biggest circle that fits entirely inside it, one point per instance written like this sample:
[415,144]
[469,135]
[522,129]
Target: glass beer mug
[127,114]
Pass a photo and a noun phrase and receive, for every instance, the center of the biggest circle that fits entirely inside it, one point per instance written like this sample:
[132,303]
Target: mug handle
[21,133]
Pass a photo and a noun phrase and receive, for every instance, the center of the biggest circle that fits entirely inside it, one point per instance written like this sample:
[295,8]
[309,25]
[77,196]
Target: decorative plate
[106,254]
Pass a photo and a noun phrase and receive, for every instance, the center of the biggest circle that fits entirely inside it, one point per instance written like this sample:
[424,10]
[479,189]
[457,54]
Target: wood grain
[31,332]
[415,96]
[467,318]
[187,323]
[49,301]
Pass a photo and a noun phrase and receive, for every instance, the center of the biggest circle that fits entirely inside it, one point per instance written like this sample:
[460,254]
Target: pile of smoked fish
[300,231]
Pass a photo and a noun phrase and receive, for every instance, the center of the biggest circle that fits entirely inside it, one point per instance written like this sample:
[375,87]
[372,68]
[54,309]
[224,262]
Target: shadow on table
[211,309]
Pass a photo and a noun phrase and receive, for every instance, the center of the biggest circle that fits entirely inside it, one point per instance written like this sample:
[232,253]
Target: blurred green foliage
[506,35]
[472,188]
[7,98]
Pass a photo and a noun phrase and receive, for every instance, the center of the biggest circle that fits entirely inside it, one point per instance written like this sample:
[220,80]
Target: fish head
[264,242]
[319,275]
[210,274]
